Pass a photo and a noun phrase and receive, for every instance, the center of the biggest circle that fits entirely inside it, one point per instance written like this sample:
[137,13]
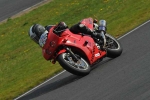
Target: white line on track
[65,70]
[28,9]
[133,29]
[39,85]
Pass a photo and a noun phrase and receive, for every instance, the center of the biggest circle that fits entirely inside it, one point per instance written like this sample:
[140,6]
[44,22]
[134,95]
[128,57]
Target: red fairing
[88,22]
[90,49]
[83,44]
[50,45]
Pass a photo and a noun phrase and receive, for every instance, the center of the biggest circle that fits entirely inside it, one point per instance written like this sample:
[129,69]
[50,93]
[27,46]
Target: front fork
[72,54]
[66,49]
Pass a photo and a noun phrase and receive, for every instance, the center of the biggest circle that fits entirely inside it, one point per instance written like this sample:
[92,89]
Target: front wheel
[114,48]
[80,67]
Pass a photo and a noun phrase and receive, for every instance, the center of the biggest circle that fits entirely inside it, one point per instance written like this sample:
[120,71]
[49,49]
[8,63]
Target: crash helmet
[36,31]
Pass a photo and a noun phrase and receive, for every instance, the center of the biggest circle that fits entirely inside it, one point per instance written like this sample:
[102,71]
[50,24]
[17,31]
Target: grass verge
[21,63]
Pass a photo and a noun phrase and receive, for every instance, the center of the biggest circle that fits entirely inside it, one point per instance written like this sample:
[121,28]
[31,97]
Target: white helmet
[35,32]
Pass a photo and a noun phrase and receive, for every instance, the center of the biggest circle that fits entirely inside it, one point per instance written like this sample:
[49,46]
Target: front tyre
[114,48]
[80,67]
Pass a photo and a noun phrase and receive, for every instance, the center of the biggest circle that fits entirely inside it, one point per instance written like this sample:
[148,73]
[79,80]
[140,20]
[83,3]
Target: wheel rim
[81,64]
[111,43]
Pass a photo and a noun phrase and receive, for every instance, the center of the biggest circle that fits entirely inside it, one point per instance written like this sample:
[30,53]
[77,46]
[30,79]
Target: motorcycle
[77,53]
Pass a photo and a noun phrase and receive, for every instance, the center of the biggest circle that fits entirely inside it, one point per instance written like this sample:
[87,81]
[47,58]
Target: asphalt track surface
[8,8]
[124,78]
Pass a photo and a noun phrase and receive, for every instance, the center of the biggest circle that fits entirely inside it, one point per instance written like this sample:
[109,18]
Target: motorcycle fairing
[85,44]
[88,22]
[51,45]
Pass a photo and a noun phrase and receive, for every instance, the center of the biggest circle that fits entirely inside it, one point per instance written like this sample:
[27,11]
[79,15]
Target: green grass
[21,63]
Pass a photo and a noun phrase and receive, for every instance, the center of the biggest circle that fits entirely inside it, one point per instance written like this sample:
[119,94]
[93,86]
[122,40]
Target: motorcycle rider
[81,28]
[38,33]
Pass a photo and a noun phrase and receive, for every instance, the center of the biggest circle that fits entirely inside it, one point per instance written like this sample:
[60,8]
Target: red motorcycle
[77,53]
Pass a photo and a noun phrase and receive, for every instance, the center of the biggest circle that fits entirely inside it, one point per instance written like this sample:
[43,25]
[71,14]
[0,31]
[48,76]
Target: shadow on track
[57,84]
[105,60]
[50,87]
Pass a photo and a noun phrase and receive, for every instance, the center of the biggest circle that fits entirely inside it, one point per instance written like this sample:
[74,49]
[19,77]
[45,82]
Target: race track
[8,8]
[124,78]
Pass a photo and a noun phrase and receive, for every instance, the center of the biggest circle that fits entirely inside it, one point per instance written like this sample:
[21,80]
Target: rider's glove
[84,29]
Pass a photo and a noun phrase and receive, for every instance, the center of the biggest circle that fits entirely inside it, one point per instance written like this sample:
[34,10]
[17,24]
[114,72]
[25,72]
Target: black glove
[84,29]
[96,34]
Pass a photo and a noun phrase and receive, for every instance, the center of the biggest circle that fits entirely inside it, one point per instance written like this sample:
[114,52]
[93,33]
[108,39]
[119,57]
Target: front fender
[60,52]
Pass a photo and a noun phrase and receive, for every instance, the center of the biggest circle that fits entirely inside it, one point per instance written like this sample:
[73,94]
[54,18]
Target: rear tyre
[114,48]
[80,67]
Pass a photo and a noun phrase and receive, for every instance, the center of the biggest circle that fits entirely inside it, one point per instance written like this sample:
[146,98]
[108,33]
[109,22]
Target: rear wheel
[79,67]
[114,48]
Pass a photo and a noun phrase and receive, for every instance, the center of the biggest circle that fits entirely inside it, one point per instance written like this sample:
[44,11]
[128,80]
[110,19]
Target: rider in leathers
[39,33]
